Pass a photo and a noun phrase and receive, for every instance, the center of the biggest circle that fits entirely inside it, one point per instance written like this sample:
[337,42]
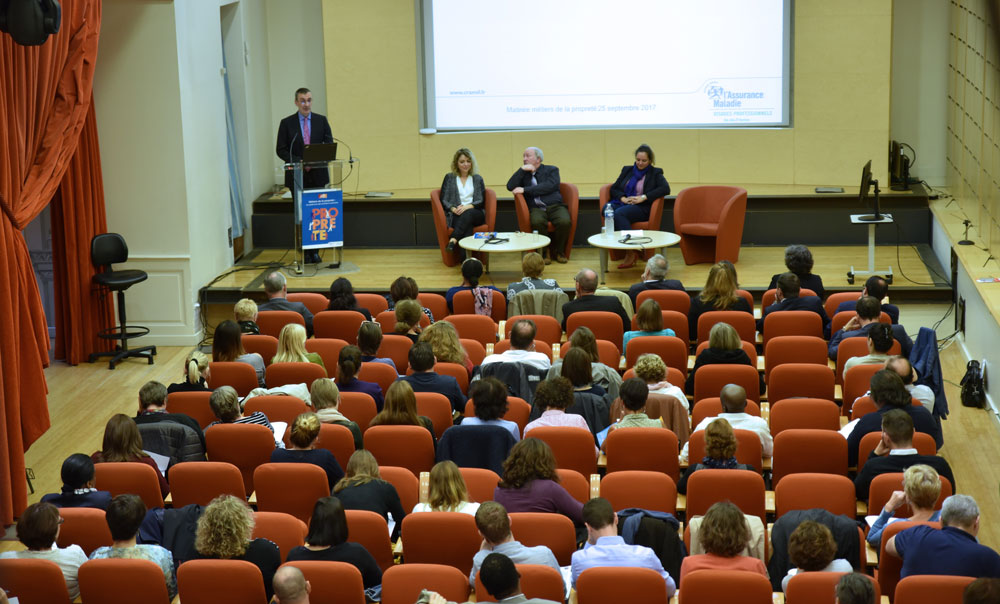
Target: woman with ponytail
[195,374]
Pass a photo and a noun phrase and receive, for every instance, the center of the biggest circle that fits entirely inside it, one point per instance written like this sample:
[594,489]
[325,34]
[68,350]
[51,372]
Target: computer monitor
[866,184]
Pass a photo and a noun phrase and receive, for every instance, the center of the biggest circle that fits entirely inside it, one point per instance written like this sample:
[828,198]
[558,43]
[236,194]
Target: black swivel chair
[107,249]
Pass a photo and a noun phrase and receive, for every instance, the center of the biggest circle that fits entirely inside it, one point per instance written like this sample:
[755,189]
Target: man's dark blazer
[290,145]
[636,289]
[285,304]
[654,186]
[428,381]
[884,464]
[799,303]
[595,302]
[923,421]
[547,188]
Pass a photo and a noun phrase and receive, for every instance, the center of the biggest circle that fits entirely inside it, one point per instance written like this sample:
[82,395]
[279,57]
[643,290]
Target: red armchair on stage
[709,220]
[444,231]
[571,197]
[653,224]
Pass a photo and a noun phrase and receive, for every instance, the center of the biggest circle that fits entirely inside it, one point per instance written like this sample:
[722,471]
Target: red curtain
[78,215]
[45,93]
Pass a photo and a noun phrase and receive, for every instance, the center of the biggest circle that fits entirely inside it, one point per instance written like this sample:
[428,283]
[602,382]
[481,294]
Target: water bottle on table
[609,220]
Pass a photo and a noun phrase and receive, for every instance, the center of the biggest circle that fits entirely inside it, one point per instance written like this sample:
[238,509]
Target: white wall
[918,112]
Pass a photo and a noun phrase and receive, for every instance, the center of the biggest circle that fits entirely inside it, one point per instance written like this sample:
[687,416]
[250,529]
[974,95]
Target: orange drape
[45,93]
[78,215]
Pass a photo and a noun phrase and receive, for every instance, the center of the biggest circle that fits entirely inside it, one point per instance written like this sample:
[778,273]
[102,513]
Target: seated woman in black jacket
[724,348]
[633,193]
[799,260]
[363,489]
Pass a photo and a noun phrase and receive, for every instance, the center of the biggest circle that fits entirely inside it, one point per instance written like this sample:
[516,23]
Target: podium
[319,212]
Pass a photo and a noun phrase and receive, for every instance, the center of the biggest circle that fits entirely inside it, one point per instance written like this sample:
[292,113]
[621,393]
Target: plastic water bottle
[609,220]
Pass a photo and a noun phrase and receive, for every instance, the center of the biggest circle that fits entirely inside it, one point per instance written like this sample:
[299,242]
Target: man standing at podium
[294,132]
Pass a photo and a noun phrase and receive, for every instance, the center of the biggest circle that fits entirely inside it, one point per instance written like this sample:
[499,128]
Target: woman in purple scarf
[633,193]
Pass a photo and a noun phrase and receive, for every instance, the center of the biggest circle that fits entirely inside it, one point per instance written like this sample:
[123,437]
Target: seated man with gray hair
[953,550]
[654,277]
[276,287]
[539,184]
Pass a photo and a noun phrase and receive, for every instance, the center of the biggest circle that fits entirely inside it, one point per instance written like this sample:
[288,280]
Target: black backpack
[973,392]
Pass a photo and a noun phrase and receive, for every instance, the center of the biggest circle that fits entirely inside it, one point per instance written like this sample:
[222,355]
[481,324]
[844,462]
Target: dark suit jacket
[428,381]
[285,304]
[810,281]
[890,309]
[876,464]
[653,187]
[923,421]
[635,290]
[803,303]
[547,187]
[290,144]
[594,302]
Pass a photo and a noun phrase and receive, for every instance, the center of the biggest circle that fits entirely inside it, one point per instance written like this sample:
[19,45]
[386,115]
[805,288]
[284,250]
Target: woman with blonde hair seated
[720,452]
[719,293]
[602,375]
[724,535]
[651,369]
[325,398]
[363,489]
[532,266]
[724,348]
[292,347]
[196,374]
[303,437]
[921,489]
[649,319]
[448,492]
[225,531]
[225,404]
[447,346]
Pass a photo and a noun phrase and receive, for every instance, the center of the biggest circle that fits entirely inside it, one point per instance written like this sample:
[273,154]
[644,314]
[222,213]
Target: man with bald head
[586,285]
[734,404]
[290,586]
[902,367]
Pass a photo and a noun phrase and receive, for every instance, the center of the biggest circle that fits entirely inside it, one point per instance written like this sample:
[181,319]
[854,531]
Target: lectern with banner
[319,213]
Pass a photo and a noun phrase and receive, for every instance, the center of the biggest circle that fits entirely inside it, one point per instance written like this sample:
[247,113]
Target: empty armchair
[709,220]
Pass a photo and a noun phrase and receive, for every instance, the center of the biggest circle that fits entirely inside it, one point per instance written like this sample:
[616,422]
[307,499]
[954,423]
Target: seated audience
[878,288]
[276,288]
[880,340]
[225,404]
[493,523]
[787,298]
[153,409]
[586,300]
[654,277]
[811,548]
[78,486]
[734,405]
[982,591]
[37,530]
[895,452]
[448,492]
[225,531]
[720,452]
[363,489]
[245,313]
[576,367]
[290,586]
[292,347]
[589,399]
[472,271]
[489,396]
[227,346]
[500,577]
[161,434]
[952,550]
[605,547]
[408,316]
[405,288]
[649,319]
[799,260]
[369,339]
[604,376]
[522,347]
[124,516]
[348,366]
[530,482]
[325,397]
[901,365]
[921,489]
[887,393]
[651,369]
[425,379]
[868,312]
[719,293]
[532,266]
[303,436]
[446,345]
[724,535]
[327,541]
[724,348]
[634,393]
[122,442]
[855,588]
[195,374]
[552,397]
[342,298]
[401,409]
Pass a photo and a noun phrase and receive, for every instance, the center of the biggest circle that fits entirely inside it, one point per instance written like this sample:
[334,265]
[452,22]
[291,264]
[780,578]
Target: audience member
[174,435]
[787,298]
[196,374]
[880,341]
[952,550]
[577,368]
[552,397]
[878,288]
[405,288]
[734,405]
[327,541]
[868,312]
[363,489]
[651,369]
[225,404]
[811,548]
[124,516]
[78,486]
[493,523]
[855,588]
[921,489]
[502,581]
[489,397]
[649,319]
[654,277]
[472,271]
[605,547]
[724,348]
[303,436]
[290,586]
[38,529]
[539,184]
[719,293]
[325,397]
[276,288]
[522,347]
[634,393]
[401,409]
[425,379]
[603,375]
[447,492]
[799,260]
[342,298]
[586,285]
[530,482]
[532,265]
[906,372]
[292,347]
[122,442]
[227,347]
[720,452]
[348,366]
[982,591]
[408,316]
[724,535]
[245,313]
[369,340]
[446,345]
[153,409]
[225,531]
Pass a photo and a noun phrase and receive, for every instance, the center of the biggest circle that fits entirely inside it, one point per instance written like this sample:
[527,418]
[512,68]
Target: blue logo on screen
[724,99]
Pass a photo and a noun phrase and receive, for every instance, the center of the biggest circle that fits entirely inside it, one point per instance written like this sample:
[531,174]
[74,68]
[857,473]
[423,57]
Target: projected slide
[595,63]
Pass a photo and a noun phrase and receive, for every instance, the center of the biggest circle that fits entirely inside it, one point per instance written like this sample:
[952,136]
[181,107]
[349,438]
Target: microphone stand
[966,240]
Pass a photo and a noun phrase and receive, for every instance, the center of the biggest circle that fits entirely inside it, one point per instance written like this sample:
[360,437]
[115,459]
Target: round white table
[515,242]
[657,239]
